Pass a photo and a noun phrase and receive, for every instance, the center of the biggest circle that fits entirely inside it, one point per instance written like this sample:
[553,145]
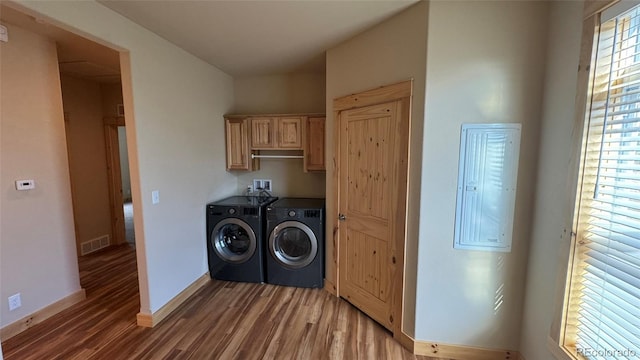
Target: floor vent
[96,244]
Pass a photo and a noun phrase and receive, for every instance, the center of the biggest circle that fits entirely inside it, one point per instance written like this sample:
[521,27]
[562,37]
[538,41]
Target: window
[603,307]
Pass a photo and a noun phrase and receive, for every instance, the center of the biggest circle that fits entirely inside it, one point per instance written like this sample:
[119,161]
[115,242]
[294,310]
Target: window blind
[603,317]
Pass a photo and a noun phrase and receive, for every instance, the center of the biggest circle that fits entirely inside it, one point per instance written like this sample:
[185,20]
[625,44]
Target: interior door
[114,179]
[373,158]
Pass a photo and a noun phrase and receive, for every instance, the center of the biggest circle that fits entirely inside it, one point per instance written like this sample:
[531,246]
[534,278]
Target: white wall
[392,51]
[282,94]
[176,143]
[549,239]
[485,64]
[37,240]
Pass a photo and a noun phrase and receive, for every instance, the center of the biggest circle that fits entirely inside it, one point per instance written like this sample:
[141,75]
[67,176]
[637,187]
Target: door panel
[290,133]
[262,133]
[367,154]
[370,169]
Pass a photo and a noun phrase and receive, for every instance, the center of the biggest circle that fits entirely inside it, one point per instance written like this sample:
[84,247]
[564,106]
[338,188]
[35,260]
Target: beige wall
[286,93]
[550,239]
[391,52]
[485,64]
[281,94]
[111,98]
[82,101]
[37,252]
[176,145]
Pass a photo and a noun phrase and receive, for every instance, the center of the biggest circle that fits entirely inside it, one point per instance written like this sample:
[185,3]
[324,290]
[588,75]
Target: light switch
[4,33]
[26,184]
[155,196]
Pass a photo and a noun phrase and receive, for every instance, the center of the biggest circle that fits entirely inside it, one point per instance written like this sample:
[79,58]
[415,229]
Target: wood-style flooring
[223,320]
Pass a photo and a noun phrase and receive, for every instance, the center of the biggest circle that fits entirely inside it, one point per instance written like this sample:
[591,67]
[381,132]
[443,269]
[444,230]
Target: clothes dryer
[296,244]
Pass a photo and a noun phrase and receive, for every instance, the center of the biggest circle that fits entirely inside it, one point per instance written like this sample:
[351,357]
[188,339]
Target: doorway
[372,156]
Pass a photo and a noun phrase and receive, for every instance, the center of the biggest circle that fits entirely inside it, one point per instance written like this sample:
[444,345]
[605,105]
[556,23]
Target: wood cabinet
[237,144]
[263,133]
[290,132]
[276,133]
[245,134]
[314,144]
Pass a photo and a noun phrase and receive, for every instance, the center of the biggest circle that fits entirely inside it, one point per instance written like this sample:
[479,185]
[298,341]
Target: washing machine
[235,238]
[296,244]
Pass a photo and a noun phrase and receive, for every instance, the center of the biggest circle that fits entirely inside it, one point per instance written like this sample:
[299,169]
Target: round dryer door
[233,240]
[293,244]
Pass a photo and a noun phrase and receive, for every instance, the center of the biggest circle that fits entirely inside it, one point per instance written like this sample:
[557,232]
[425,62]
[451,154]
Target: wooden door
[114,179]
[372,152]
[290,133]
[237,144]
[262,133]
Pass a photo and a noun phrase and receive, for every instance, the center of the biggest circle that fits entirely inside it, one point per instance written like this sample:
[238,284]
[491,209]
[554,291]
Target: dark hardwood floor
[223,320]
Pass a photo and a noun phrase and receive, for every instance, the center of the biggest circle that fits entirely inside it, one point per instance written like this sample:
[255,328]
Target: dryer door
[293,244]
[233,240]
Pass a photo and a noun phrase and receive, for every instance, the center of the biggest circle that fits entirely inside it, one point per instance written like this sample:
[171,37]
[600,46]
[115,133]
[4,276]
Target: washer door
[293,244]
[233,240]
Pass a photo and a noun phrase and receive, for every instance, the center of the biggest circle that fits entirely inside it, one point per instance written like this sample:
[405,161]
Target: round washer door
[293,244]
[233,240]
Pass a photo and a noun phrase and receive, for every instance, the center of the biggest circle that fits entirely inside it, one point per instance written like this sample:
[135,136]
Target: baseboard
[455,352]
[558,351]
[41,315]
[330,287]
[151,320]
[406,341]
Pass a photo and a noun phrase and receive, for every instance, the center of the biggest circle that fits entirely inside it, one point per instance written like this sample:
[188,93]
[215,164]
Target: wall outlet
[155,196]
[266,184]
[249,189]
[14,302]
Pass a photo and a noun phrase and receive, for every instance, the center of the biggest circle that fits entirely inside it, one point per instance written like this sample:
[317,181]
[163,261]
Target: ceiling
[244,38]
[77,56]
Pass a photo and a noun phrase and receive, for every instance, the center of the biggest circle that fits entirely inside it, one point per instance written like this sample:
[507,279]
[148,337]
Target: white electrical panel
[487,176]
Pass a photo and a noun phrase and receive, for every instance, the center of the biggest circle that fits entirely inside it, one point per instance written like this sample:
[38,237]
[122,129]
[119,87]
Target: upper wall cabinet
[252,133]
[237,132]
[276,132]
[314,144]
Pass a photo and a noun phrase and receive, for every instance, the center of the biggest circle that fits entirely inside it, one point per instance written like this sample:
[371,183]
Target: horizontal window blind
[603,319]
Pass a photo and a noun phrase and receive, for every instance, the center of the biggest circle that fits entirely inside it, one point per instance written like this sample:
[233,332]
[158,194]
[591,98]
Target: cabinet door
[237,138]
[290,133]
[314,145]
[262,133]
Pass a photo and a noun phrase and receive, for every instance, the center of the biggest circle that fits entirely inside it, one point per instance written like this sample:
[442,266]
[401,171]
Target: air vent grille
[93,245]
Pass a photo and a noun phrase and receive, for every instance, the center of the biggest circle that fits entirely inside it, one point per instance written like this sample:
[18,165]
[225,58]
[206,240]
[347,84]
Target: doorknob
[341,217]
